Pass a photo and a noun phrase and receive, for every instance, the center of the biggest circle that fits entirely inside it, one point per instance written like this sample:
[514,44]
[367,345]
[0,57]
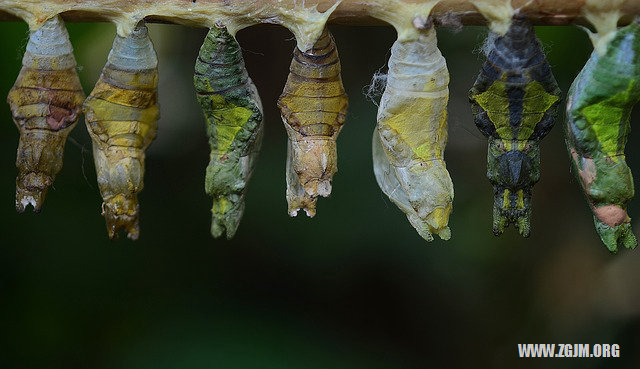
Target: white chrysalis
[409,142]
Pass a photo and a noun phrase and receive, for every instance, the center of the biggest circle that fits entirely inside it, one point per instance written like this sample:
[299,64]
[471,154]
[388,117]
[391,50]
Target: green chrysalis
[233,114]
[598,108]
[514,102]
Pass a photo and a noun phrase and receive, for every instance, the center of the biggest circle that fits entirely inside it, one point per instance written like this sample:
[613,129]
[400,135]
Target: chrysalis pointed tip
[219,227]
[425,234]
[226,213]
[426,231]
[443,233]
[617,236]
[25,197]
[121,213]
[305,203]
[632,244]
[23,203]
[117,223]
[498,224]
[523,227]
[506,214]
[314,163]
[309,211]
[216,230]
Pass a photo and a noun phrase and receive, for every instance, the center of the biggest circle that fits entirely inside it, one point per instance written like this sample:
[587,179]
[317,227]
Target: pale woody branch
[353,12]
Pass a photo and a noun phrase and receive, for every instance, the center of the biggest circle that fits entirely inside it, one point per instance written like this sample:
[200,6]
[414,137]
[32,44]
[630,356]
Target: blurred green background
[354,287]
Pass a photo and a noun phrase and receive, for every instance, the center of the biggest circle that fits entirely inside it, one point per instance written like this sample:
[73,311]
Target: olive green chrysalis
[233,115]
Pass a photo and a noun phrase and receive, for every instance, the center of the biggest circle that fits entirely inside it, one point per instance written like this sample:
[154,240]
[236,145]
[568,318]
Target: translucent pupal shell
[234,119]
[597,126]
[411,135]
[313,107]
[45,102]
[514,101]
[121,115]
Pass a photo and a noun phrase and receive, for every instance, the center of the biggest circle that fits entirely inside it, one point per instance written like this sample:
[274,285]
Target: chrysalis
[233,113]
[313,107]
[122,115]
[409,142]
[598,108]
[514,102]
[45,102]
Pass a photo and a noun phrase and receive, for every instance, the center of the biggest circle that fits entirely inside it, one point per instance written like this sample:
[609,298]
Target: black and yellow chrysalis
[233,114]
[46,102]
[514,102]
[122,119]
[313,106]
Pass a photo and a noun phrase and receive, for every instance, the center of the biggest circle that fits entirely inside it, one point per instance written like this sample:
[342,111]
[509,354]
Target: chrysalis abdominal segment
[313,107]
[409,142]
[598,109]
[233,114]
[45,102]
[514,102]
[121,115]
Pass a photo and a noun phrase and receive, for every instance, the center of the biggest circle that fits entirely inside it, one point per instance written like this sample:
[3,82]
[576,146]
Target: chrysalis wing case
[514,102]
[122,115]
[598,108]
[313,107]
[233,114]
[409,142]
[46,102]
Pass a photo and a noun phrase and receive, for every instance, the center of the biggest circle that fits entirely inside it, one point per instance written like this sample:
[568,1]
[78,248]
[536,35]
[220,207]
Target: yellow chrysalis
[122,115]
[313,106]
[46,102]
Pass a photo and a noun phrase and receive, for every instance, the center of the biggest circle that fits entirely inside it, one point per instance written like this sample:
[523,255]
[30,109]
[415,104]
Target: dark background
[354,287]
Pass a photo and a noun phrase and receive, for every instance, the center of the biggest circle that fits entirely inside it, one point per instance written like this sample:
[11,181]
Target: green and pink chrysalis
[598,109]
